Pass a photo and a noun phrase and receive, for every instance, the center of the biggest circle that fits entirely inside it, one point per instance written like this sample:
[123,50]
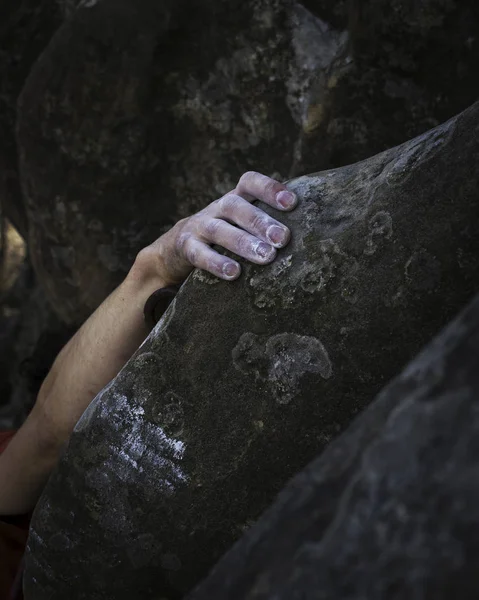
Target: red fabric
[13,539]
[5,437]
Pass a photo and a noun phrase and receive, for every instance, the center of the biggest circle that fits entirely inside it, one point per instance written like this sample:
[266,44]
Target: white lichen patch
[380,229]
[282,361]
[263,297]
[287,279]
[205,277]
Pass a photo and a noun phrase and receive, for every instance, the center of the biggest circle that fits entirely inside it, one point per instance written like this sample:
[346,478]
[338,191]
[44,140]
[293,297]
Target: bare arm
[86,364]
[115,330]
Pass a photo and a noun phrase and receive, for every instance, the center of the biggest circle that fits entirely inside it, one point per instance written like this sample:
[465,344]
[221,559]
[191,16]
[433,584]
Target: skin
[105,342]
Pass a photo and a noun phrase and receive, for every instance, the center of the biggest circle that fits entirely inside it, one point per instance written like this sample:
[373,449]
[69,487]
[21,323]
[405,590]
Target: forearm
[95,354]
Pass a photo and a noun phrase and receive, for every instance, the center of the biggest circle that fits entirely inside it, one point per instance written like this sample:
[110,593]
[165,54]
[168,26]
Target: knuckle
[258,222]
[246,177]
[213,266]
[182,241]
[243,242]
[211,206]
[211,227]
[229,203]
[191,253]
[272,187]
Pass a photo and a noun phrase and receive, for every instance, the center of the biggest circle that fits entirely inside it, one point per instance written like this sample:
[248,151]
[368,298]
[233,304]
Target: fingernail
[286,199]
[230,269]
[263,250]
[276,234]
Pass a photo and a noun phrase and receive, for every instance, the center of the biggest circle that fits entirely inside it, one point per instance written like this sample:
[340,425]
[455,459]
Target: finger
[200,255]
[238,241]
[255,185]
[251,218]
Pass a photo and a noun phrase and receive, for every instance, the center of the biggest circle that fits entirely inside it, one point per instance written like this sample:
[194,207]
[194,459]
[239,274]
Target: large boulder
[241,384]
[26,27]
[28,325]
[391,508]
[411,70]
[139,113]
[185,97]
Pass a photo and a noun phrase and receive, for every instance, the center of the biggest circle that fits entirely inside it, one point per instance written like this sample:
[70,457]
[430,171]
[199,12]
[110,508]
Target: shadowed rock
[391,508]
[26,27]
[410,70]
[140,113]
[241,384]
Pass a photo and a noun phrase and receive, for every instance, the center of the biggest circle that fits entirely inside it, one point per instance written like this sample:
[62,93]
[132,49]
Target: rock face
[29,329]
[410,71]
[391,508]
[26,27]
[178,101]
[140,113]
[145,112]
[242,384]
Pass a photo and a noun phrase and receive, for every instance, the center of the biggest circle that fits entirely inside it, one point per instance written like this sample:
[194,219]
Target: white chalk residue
[142,447]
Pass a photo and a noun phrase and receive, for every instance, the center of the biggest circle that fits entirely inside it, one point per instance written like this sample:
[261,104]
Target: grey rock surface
[410,70]
[391,508]
[144,113]
[140,113]
[241,384]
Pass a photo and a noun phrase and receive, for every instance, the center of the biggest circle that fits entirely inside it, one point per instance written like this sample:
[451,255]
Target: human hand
[232,222]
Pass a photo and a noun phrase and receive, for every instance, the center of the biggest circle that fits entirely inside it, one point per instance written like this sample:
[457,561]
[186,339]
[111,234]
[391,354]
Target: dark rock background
[138,113]
[118,117]
[31,333]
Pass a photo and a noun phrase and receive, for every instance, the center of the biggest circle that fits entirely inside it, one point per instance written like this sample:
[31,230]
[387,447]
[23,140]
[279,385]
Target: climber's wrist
[149,273]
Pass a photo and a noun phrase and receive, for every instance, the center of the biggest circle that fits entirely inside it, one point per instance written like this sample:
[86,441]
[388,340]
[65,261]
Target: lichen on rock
[194,440]
[281,361]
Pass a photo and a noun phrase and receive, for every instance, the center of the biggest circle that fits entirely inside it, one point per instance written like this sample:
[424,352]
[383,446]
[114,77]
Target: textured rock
[411,69]
[207,93]
[391,508]
[140,113]
[241,384]
[26,27]
[29,330]
[145,112]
